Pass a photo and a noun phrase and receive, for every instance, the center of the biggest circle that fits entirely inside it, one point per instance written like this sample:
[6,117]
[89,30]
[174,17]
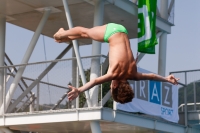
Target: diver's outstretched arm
[152,76]
[76,91]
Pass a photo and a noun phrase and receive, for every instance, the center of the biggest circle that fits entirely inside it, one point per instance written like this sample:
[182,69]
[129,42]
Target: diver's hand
[172,79]
[73,93]
[60,36]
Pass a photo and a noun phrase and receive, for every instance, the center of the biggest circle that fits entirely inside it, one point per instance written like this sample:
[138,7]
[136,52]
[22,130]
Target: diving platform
[33,96]
[77,120]
[67,119]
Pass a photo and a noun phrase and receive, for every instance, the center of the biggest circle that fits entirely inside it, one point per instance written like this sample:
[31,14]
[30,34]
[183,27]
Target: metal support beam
[105,98]
[96,50]
[95,126]
[3,112]
[162,54]
[195,100]
[95,63]
[105,65]
[27,55]
[28,105]
[164,9]
[170,7]
[23,104]
[59,101]
[75,45]
[31,106]
[2,54]
[140,56]
[12,106]
[131,8]
[157,11]
[163,40]
[77,85]
[38,97]
[12,73]
[74,71]
[134,1]
[185,100]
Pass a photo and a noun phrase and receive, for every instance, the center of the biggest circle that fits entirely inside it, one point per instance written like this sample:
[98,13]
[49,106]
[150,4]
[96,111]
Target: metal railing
[195,106]
[188,87]
[46,94]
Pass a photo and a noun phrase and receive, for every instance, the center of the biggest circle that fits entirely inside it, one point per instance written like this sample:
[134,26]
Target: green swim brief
[113,28]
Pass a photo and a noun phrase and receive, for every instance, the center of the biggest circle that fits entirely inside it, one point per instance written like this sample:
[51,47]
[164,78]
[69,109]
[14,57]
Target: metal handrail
[57,60]
[187,104]
[63,87]
[181,106]
[185,71]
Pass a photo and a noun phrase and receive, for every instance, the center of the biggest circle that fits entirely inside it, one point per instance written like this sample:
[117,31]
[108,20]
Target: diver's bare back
[121,60]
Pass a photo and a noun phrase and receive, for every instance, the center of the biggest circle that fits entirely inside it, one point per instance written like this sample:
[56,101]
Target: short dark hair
[123,93]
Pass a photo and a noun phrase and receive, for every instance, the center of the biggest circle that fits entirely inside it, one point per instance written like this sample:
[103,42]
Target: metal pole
[31,106]
[74,70]
[4,94]
[105,98]
[2,53]
[8,77]
[12,106]
[162,54]
[77,85]
[95,126]
[96,49]
[185,100]
[164,9]
[2,56]
[38,97]
[171,6]
[23,104]
[2,130]
[101,87]
[134,1]
[195,102]
[95,63]
[75,45]
[163,41]
[105,65]
[27,55]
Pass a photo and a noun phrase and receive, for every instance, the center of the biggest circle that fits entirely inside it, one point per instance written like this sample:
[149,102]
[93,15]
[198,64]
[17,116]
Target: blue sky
[182,44]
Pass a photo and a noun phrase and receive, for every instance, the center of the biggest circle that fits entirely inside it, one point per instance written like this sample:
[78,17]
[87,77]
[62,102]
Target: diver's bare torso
[122,65]
[121,61]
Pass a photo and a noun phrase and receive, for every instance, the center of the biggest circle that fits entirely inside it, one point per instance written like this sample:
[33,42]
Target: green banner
[147,26]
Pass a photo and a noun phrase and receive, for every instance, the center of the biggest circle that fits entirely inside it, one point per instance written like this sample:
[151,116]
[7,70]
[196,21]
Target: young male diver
[122,65]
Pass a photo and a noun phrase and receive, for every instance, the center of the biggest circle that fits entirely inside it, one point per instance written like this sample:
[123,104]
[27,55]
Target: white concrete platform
[78,120]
